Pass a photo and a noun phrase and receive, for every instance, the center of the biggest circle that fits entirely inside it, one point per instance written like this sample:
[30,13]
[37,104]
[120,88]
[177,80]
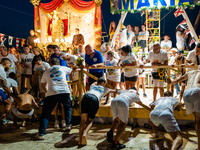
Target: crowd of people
[48,78]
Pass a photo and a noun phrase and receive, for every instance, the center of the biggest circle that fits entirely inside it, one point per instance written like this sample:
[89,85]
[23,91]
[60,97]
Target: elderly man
[93,58]
[5,54]
[193,57]
[58,91]
[157,57]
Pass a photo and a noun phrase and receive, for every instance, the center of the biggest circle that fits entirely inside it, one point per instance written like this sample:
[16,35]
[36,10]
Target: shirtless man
[24,106]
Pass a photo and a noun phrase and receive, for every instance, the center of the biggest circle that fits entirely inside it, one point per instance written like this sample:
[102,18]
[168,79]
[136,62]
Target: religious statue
[57,26]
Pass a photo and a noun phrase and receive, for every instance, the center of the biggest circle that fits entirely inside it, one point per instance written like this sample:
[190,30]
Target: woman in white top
[113,75]
[141,74]
[128,59]
[179,38]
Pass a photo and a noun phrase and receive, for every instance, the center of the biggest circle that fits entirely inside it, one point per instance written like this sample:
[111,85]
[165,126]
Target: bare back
[26,101]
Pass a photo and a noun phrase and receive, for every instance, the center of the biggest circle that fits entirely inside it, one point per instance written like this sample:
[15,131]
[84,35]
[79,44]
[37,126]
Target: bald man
[93,58]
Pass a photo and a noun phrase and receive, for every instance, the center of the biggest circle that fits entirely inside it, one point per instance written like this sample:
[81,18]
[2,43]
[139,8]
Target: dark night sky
[17,18]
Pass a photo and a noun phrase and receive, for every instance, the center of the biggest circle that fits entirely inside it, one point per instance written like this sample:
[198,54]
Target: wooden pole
[123,16]
[143,105]
[80,90]
[168,76]
[192,32]
[195,25]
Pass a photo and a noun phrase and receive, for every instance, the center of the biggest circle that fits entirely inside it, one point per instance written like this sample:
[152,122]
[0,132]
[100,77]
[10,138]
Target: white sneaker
[63,124]
[39,137]
[56,125]
[68,127]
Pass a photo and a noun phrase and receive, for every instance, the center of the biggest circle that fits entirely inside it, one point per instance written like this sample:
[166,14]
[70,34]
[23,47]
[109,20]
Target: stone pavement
[136,139]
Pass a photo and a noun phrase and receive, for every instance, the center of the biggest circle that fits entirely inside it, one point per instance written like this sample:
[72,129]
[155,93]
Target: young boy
[120,111]
[89,107]
[163,113]
[39,68]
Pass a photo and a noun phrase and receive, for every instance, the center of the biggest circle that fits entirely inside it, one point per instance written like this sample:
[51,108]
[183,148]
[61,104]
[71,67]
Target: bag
[155,75]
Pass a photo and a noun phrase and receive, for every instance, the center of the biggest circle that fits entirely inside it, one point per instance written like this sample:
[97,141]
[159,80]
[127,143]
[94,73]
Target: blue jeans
[177,89]
[48,106]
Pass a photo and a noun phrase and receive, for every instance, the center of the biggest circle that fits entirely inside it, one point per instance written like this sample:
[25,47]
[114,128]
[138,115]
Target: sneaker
[63,124]
[4,121]
[117,146]
[68,127]
[110,136]
[144,95]
[56,125]
[138,94]
[39,136]
[158,136]
[107,100]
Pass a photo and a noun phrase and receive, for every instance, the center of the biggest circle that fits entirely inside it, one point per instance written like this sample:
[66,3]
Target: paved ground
[137,139]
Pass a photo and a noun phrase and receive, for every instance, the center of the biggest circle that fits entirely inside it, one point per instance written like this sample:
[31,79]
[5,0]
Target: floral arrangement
[136,49]
[74,101]
[161,74]
[35,2]
[79,61]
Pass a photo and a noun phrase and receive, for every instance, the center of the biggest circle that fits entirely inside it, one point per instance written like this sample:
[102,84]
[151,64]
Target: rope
[17,10]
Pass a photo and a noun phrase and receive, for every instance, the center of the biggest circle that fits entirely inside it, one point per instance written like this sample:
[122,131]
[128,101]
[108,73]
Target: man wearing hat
[180,60]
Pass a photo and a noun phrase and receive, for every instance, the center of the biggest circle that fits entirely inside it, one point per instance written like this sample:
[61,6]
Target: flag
[23,42]
[17,42]
[191,42]
[10,40]
[183,24]
[188,31]
[1,36]
[178,12]
[3,40]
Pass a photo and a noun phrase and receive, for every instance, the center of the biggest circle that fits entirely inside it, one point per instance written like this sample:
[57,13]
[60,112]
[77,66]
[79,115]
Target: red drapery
[82,5]
[49,7]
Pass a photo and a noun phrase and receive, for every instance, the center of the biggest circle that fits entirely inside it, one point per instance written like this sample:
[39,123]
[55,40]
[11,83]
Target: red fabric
[97,20]
[82,5]
[65,21]
[49,7]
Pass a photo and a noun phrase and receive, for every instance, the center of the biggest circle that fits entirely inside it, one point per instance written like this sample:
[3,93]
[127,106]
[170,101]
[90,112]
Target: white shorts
[165,118]
[114,78]
[157,83]
[180,47]
[191,98]
[21,115]
[120,108]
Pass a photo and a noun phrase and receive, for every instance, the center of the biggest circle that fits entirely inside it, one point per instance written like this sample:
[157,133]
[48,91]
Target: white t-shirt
[123,36]
[55,77]
[129,95]
[166,45]
[113,74]
[160,57]
[164,103]
[116,55]
[82,55]
[72,61]
[40,69]
[193,58]
[172,60]
[130,36]
[142,34]
[128,60]
[27,60]
[98,90]
[13,60]
[2,73]
[11,83]
[179,40]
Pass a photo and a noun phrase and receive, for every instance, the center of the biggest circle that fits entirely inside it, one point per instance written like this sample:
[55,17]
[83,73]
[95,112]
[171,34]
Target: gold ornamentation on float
[35,2]
[98,2]
[66,1]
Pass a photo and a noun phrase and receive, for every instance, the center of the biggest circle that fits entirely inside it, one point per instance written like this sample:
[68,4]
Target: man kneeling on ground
[89,107]
[163,113]
[120,111]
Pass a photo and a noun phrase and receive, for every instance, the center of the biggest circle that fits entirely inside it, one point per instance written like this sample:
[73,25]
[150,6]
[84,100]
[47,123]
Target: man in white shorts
[163,113]
[157,57]
[191,98]
[120,111]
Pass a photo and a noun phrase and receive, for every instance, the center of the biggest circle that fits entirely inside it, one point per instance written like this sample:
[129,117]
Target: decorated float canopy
[117,6]
[57,20]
